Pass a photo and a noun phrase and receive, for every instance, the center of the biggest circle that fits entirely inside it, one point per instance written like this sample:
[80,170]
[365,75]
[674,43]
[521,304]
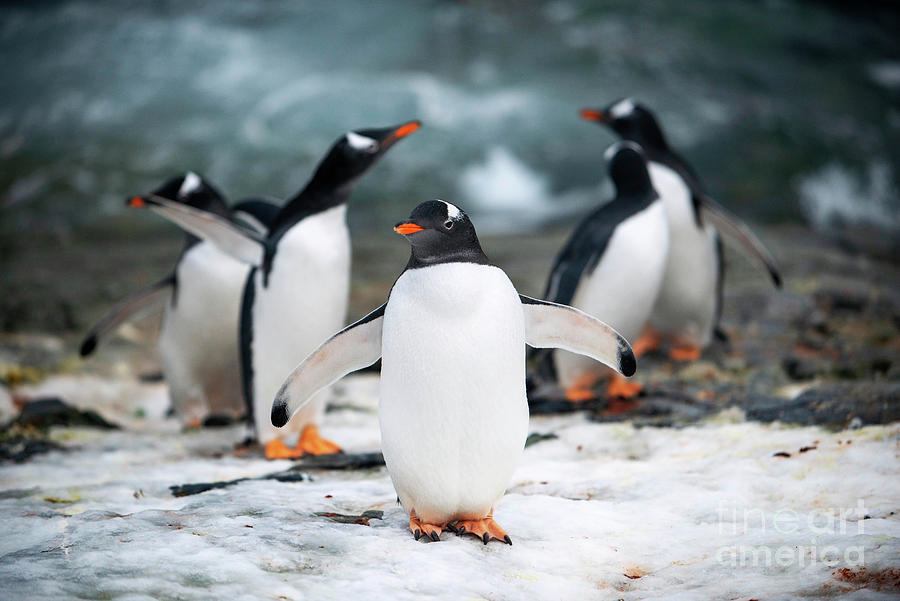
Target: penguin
[451,338]
[620,247]
[689,305]
[198,342]
[297,290]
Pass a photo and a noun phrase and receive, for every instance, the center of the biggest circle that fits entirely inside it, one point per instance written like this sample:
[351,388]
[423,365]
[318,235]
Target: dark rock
[185,490]
[548,405]
[44,413]
[846,298]
[338,461]
[220,421]
[297,473]
[362,519]
[805,368]
[536,437]
[836,404]
[289,477]
[19,449]
[658,409]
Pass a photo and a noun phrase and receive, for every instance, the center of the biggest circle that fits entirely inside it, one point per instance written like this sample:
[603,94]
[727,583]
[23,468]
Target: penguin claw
[485,529]
[418,528]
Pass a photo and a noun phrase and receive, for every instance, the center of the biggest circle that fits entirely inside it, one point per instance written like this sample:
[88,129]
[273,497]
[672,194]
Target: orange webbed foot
[620,387]
[420,528]
[684,353]
[276,449]
[581,390]
[311,443]
[648,341]
[485,529]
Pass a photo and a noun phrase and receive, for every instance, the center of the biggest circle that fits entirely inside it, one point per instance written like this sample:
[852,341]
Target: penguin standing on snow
[297,290]
[688,307]
[198,343]
[612,267]
[451,338]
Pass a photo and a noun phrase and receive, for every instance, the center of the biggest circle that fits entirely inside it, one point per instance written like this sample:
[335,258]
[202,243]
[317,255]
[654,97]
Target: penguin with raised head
[198,342]
[451,338]
[297,291]
[689,304]
[611,267]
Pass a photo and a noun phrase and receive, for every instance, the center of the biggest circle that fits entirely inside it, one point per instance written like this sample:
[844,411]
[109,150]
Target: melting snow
[603,511]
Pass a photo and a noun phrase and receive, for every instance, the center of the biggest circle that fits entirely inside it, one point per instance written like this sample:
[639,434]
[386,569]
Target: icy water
[789,109]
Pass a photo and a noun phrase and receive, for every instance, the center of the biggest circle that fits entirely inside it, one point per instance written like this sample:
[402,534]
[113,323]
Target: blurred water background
[790,110]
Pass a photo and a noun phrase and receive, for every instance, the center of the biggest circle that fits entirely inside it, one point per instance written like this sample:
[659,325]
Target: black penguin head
[632,121]
[190,189]
[354,152]
[628,170]
[439,232]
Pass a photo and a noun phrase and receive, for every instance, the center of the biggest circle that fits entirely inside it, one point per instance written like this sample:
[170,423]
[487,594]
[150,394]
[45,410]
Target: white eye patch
[622,108]
[362,143]
[191,182]
[453,211]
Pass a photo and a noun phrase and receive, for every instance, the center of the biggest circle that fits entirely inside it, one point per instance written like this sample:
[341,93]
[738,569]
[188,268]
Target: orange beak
[407,228]
[406,129]
[137,202]
[593,115]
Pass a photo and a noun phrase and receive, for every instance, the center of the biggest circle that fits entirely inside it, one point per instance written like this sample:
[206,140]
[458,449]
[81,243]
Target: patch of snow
[603,511]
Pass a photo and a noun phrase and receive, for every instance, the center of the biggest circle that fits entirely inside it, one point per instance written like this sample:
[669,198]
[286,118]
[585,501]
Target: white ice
[605,511]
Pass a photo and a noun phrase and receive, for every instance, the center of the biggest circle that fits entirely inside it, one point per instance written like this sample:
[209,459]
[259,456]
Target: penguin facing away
[612,267]
[198,342]
[451,337]
[688,307]
[296,293]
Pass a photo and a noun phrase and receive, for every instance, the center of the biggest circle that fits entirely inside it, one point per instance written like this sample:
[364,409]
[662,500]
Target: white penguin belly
[623,287]
[198,343]
[685,309]
[304,303]
[453,411]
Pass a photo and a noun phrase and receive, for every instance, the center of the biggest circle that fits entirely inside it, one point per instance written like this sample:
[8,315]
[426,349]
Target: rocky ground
[796,413]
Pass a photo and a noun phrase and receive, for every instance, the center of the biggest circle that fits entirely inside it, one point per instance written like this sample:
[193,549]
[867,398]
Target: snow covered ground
[604,511]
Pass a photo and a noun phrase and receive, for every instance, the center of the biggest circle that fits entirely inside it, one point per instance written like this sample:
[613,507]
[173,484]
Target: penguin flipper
[242,243]
[257,213]
[738,232]
[356,346]
[550,325]
[128,309]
